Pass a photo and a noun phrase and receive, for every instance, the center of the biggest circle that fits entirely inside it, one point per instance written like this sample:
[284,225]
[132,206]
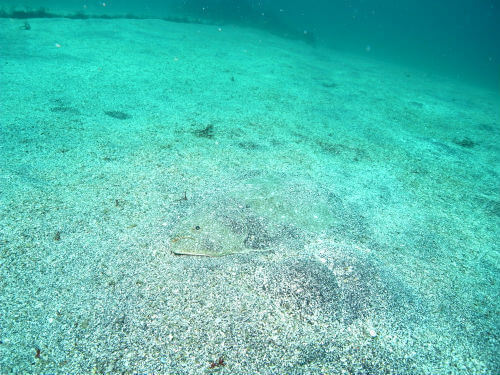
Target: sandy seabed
[355,205]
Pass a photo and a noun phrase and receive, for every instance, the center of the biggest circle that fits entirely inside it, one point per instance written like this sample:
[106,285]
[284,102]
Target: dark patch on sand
[64,109]
[207,132]
[465,142]
[118,115]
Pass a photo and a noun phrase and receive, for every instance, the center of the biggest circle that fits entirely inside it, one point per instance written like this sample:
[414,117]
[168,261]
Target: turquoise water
[249,187]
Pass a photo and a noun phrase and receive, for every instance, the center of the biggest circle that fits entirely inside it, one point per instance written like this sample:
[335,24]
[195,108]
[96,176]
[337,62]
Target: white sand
[372,188]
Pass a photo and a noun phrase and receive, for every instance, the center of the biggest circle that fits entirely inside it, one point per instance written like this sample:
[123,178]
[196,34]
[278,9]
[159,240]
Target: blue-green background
[457,38]
[461,38]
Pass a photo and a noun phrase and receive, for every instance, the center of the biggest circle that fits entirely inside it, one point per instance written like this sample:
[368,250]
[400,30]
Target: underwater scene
[249,187]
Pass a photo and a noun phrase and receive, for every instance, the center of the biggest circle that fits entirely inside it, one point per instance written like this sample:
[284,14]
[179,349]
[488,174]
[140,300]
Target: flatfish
[207,235]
